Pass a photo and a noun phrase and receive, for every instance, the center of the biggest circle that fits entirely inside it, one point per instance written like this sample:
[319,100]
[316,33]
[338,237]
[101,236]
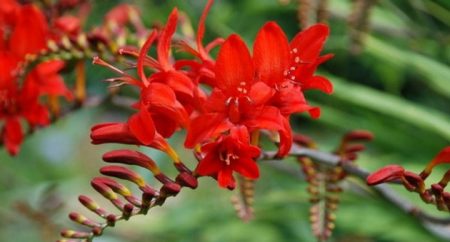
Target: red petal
[142,126]
[204,127]
[385,174]
[268,118]
[164,124]
[216,101]
[130,157]
[47,79]
[143,54]
[285,139]
[240,132]
[165,39]
[30,25]
[112,133]
[163,100]
[201,30]
[260,93]
[8,10]
[13,135]
[309,42]
[443,156]
[320,83]
[8,65]
[246,167]
[291,100]
[234,66]
[120,14]
[180,83]
[314,112]
[68,24]
[226,179]
[210,165]
[271,54]
[35,113]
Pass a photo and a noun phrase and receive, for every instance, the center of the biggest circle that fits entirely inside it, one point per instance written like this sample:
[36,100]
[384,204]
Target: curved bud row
[413,182]
[121,196]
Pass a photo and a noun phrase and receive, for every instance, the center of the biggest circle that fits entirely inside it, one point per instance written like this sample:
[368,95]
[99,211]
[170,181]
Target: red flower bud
[385,174]
[123,173]
[441,158]
[93,206]
[355,135]
[78,218]
[131,157]
[72,234]
[112,133]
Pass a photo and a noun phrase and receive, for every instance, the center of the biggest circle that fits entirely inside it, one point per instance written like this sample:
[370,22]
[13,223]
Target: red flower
[290,67]
[230,153]
[257,92]
[442,158]
[166,72]
[160,111]
[20,24]
[237,99]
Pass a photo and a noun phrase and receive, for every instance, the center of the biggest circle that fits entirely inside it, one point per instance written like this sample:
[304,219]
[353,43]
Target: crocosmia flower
[230,153]
[24,31]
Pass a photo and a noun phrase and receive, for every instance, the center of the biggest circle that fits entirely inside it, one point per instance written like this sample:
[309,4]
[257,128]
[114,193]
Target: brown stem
[383,190]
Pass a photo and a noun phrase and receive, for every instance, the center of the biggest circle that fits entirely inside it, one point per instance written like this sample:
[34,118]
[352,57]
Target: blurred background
[391,76]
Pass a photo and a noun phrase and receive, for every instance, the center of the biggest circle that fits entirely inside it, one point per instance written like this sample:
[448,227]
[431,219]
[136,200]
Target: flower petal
[12,135]
[260,93]
[285,139]
[385,174]
[271,54]
[216,101]
[234,66]
[210,165]
[443,156]
[164,124]
[112,133]
[165,39]
[226,179]
[143,54]
[268,118]
[319,83]
[142,126]
[246,167]
[204,127]
[309,42]
[163,101]
[30,24]
[201,30]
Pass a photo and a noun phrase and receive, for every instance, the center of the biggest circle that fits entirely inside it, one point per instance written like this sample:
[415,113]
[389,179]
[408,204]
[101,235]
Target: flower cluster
[223,103]
[24,31]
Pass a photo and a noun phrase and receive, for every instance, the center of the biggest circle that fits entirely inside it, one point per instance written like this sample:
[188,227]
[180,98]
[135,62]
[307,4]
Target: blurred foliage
[398,87]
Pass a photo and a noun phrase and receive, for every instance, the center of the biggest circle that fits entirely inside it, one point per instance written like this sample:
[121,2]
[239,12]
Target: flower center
[7,104]
[227,157]
[242,88]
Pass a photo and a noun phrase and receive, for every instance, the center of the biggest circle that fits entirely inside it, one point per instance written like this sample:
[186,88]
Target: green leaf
[435,74]
[413,113]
